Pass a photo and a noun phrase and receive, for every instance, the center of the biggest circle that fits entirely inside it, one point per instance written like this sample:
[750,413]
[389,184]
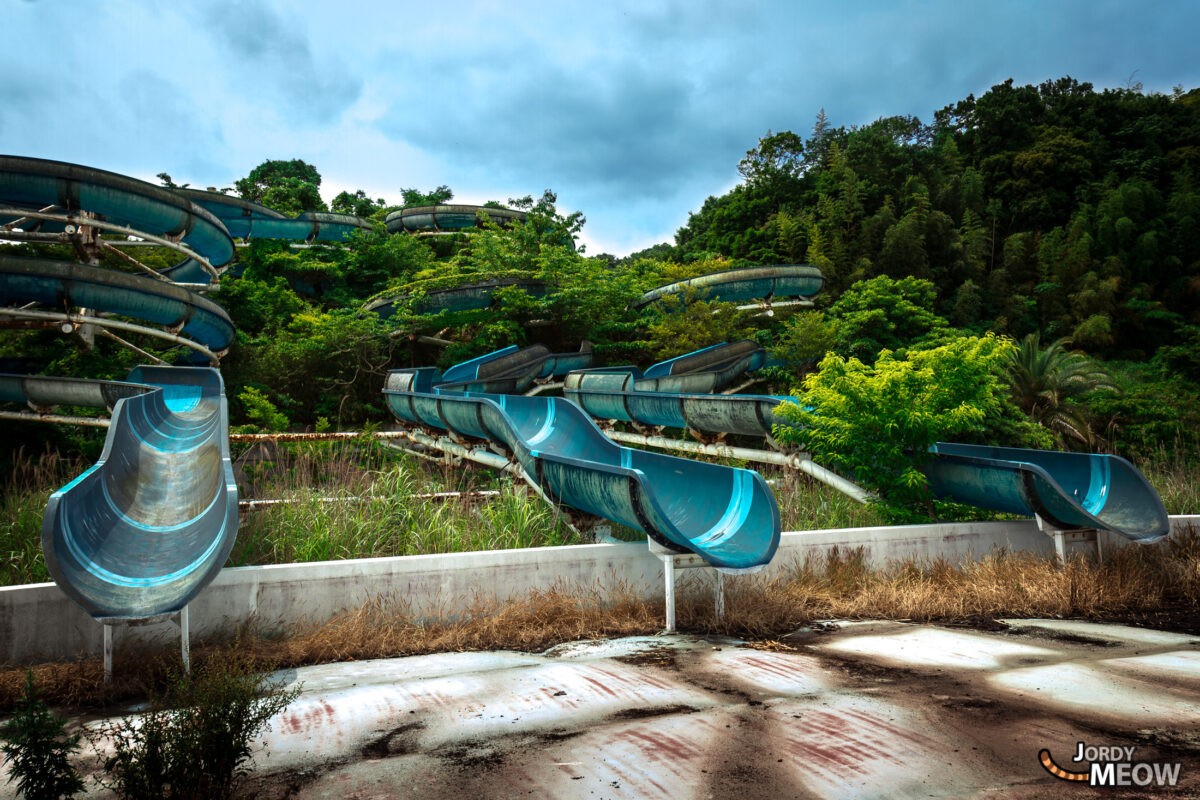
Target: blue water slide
[42,392]
[613,394]
[512,369]
[36,183]
[745,285]
[447,218]
[1070,490]
[141,532]
[471,296]
[61,283]
[726,515]
[247,220]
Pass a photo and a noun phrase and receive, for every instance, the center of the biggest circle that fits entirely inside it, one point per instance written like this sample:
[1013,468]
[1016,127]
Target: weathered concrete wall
[38,622]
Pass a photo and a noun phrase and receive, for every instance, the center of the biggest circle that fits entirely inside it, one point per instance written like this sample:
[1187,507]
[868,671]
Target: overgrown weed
[838,584]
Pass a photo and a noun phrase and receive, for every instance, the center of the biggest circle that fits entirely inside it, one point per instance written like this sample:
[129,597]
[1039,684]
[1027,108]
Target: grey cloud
[633,129]
[267,50]
[183,136]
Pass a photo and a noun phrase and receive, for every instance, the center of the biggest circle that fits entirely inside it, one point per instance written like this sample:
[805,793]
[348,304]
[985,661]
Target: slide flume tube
[743,285]
[247,220]
[1069,490]
[471,296]
[141,532]
[726,515]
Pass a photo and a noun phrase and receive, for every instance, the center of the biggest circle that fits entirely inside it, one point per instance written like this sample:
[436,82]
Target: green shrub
[37,748]
[878,422]
[195,740]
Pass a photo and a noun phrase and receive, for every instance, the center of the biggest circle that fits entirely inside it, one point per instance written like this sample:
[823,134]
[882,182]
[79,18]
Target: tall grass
[377,513]
[1175,473]
[22,504]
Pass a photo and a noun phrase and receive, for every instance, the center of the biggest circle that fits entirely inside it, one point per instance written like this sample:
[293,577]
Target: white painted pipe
[87,319]
[792,461]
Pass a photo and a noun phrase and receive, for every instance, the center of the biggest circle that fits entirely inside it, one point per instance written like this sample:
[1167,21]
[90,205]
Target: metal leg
[108,653]
[185,642]
[720,598]
[669,579]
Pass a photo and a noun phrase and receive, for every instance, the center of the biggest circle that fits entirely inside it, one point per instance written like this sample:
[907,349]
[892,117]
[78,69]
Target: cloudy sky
[633,112]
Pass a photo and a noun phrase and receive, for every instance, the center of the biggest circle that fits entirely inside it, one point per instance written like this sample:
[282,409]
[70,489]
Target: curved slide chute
[512,369]
[471,296]
[746,285]
[726,515]
[33,184]
[61,284]
[141,532]
[452,218]
[247,220]
[1069,490]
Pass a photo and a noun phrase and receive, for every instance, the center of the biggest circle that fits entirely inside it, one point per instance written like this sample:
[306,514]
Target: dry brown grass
[838,585]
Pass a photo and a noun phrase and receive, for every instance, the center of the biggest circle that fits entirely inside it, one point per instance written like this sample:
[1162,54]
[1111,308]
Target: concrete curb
[39,623]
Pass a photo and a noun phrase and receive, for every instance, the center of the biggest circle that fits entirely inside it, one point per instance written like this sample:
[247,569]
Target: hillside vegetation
[1023,270]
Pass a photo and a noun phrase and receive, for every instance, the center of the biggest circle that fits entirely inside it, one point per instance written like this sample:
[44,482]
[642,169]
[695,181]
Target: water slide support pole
[108,652]
[672,562]
[1062,538]
[181,618]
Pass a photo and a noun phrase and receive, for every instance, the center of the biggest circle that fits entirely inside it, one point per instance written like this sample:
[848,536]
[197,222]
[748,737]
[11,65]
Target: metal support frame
[68,236]
[181,620]
[548,386]
[673,561]
[1063,538]
[88,319]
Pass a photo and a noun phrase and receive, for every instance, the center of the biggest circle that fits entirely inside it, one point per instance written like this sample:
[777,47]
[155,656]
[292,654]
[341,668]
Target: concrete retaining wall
[39,623]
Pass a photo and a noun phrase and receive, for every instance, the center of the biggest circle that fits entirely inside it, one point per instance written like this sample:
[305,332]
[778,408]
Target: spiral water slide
[465,297]
[1069,491]
[246,220]
[728,516]
[757,284]
[139,534]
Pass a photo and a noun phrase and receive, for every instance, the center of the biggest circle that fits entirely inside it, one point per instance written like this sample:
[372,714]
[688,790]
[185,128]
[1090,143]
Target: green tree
[885,313]
[195,740]
[1050,386]
[878,422]
[357,204]
[684,324]
[37,747]
[777,156]
[806,339]
[434,197]
[286,186]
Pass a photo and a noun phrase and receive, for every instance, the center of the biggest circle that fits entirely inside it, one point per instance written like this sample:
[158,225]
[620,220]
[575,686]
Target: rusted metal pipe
[29,416]
[255,505]
[326,436]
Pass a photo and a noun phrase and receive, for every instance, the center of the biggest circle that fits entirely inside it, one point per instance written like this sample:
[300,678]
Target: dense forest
[1039,245]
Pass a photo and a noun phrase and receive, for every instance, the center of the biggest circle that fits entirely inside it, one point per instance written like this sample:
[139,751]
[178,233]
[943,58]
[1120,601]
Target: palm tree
[1047,384]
